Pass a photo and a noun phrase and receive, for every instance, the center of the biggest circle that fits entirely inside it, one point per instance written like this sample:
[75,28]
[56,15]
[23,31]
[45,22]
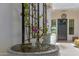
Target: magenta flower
[35,29]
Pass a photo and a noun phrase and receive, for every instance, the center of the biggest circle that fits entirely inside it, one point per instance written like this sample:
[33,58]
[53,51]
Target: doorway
[62,29]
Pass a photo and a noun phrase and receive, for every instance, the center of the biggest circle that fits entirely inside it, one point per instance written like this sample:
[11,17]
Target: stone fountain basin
[54,51]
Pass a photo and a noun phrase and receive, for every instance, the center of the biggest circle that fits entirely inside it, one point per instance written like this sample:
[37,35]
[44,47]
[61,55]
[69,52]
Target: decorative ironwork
[23,29]
[31,21]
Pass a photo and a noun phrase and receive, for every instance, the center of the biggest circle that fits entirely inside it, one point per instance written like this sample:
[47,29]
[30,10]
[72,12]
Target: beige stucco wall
[71,14]
[10,26]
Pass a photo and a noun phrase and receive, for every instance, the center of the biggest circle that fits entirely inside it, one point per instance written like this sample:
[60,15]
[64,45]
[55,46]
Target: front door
[62,29]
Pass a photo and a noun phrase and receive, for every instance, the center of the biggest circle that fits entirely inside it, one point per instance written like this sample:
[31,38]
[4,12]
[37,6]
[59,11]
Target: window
[71,26]
[53,26]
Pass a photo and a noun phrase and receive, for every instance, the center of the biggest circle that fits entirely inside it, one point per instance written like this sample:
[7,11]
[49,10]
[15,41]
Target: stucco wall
[10,25]
[16,24]
[5,26]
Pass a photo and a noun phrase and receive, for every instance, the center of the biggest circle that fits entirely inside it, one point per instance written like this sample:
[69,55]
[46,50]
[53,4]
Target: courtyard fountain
[34,32]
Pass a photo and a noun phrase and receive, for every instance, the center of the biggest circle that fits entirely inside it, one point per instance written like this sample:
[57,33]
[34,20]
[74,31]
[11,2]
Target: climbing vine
[33,21]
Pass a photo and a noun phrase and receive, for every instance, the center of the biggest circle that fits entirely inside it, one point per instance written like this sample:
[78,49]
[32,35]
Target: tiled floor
[66,49]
